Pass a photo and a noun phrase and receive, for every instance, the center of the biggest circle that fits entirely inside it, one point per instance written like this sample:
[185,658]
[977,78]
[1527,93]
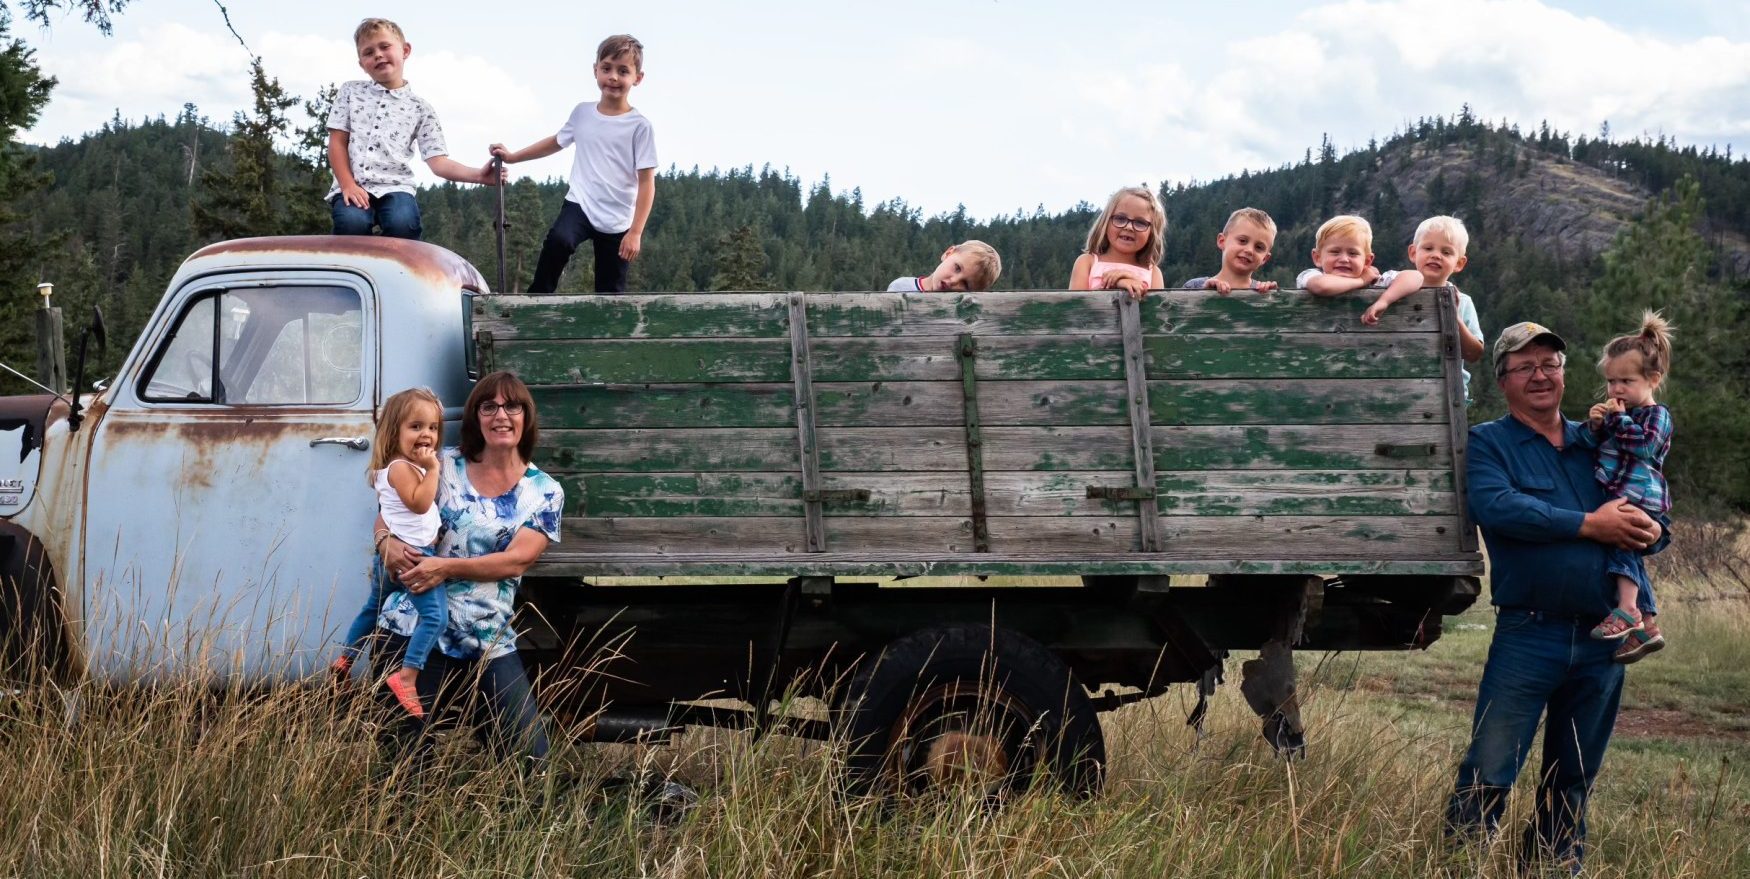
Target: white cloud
[1012,106]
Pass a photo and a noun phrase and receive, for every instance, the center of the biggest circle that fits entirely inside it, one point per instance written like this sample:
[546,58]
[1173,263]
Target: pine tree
[741,263]
[23,92]
[259,190]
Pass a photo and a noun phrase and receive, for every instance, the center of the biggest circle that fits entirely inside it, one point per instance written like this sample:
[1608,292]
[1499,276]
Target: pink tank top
[1096,282]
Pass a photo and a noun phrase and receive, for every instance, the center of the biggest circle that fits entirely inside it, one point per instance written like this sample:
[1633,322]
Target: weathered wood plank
[1033,313]
[809,450]
[658,450]
[582,361]
[931,358]
[767,534]
[1230,493]
[1014,493]
[655,316]
[1213,447]
[1253,447]
[561,562]
[1453,366]
[925,404]
[1311,537]
[1282,536]
[1136,390]
[650,495]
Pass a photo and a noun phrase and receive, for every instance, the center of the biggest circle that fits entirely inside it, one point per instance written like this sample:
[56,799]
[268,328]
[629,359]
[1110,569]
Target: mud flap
[1267,682]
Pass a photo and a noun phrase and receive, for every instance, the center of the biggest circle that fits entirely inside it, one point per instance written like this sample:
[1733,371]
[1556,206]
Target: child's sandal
[1640,643]
[1617,626]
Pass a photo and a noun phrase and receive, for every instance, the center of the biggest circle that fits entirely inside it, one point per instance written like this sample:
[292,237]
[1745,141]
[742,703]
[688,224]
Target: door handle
[356,443]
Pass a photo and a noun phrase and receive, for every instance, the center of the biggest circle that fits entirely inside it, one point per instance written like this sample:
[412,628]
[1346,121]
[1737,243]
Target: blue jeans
[493,695]
[1539,663]
[570,229]
[1631,564]
[396,213]
[432,606]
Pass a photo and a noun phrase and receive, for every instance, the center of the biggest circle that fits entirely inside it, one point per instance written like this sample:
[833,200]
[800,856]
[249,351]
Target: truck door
[228,517]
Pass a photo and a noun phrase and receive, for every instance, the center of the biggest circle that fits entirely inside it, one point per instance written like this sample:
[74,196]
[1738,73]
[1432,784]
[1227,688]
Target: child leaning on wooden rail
[613,174]
[1124,246]
[1245,244]
[1632,434]
[1343,262]
[968,266]
[1438,252]
[373,129]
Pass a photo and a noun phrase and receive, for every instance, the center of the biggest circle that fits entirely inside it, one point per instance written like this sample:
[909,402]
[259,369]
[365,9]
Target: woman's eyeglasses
[1139,224]
[491,409]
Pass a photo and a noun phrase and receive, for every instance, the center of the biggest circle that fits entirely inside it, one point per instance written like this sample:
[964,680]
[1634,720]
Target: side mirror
[95,328]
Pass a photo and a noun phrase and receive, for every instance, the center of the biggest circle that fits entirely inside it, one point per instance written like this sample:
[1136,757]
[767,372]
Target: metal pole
[51,354]
[499,224]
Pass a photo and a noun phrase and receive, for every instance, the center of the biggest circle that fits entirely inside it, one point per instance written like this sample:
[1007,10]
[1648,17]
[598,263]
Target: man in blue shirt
[1547,525]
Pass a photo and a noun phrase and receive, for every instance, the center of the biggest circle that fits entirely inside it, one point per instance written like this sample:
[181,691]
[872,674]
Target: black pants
[570,230]
[493,697]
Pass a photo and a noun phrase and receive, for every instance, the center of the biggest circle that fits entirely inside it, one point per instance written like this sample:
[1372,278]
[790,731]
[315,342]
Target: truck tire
[944,705]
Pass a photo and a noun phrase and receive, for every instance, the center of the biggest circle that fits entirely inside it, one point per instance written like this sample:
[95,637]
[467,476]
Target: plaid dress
[1631,456]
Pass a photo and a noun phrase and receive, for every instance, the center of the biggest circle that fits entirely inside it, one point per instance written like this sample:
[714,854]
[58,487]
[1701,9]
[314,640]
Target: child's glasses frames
[1139,224]
[491,409]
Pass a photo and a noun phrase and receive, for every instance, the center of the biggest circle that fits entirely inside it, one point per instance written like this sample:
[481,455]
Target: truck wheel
[969,704]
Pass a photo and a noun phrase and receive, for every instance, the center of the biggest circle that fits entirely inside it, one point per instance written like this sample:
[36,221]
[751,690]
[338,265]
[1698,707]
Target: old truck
[958,518]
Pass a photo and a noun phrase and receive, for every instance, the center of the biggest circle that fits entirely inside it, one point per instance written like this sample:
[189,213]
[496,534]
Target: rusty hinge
[1120,493]
[1411,450]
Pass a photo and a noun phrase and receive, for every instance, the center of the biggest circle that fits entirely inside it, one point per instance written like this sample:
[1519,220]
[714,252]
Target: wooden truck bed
[1006,433]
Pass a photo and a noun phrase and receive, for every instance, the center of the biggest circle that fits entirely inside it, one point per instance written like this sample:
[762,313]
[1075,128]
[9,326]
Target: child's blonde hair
[1346,224]
[1653,342]
[986,265]
[1157,244]
[1452,227]
[397,409]
[372,25]
[620,44]
[1253,215]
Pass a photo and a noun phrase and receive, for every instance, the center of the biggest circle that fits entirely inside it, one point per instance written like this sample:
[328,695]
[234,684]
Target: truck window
[272,346]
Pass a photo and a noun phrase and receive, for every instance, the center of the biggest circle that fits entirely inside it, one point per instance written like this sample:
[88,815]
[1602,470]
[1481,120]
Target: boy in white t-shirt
[613,174]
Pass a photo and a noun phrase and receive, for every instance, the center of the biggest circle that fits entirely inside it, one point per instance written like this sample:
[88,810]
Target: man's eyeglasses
[491,409]
[1524,371]
[1139,224]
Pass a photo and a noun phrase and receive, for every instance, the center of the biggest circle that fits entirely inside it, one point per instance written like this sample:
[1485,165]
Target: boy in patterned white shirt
[372,131]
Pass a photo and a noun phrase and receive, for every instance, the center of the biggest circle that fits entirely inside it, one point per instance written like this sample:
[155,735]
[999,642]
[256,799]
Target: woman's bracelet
[382,535]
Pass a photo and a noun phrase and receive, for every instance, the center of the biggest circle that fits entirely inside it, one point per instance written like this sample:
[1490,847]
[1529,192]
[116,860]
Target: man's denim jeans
[396,213]
[1538,662]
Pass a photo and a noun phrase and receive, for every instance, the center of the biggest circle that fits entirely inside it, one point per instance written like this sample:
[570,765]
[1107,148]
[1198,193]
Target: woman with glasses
[499,513]
[1125,245]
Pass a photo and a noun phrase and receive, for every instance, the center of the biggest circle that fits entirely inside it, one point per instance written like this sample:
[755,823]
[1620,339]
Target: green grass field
[166,782]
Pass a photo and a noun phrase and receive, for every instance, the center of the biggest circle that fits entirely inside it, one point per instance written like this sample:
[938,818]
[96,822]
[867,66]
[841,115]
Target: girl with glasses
[1124,246]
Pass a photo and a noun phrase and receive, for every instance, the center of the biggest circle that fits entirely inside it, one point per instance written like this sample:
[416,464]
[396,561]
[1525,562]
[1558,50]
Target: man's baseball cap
[1524,333]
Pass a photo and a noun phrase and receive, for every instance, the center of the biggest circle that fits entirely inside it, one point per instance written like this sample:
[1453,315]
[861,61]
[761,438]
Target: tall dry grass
[171,779]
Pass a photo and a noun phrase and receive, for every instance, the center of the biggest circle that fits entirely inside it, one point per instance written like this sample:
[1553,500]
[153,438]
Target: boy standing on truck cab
[613,174]
[969,266]
[372,131]
[1343,263]
[1245,244]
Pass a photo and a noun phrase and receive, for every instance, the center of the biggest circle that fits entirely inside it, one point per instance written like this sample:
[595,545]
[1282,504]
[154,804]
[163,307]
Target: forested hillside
[1580,233]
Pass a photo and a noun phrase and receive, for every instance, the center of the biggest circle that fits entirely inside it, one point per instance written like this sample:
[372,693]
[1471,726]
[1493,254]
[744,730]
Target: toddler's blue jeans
[431,605]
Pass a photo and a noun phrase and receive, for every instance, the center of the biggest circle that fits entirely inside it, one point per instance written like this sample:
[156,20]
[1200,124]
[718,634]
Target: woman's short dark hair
[513,390]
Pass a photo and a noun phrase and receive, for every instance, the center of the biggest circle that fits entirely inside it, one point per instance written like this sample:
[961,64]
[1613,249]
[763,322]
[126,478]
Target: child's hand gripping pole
[499,225]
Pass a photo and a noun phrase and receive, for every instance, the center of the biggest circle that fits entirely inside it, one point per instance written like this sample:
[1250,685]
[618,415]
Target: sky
[997,105]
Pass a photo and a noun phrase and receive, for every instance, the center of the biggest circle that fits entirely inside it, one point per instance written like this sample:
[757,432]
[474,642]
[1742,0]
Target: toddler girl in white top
[404,469]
